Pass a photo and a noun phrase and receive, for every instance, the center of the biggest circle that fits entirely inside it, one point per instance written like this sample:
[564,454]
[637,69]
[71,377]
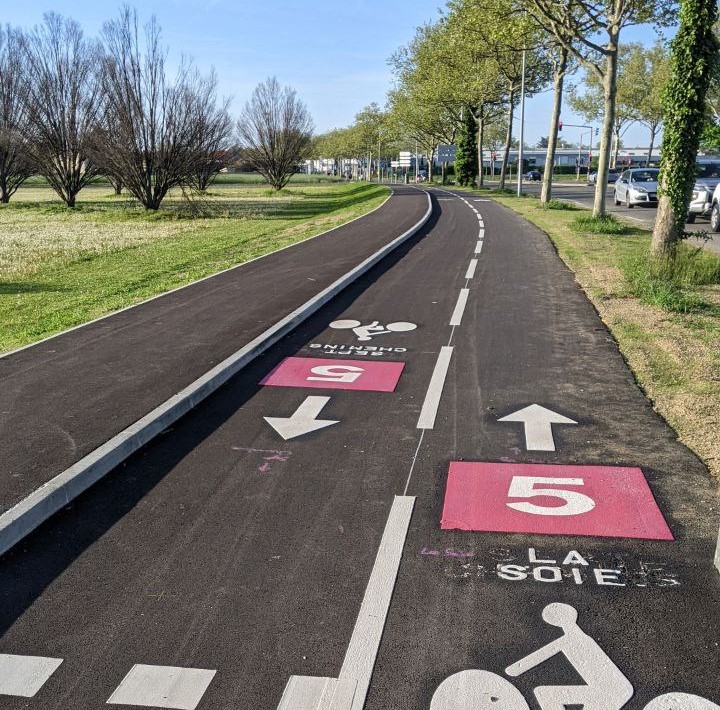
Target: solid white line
[456,318]
[434,392]
[414,460]
[471,269]
[365,641]
[478,247]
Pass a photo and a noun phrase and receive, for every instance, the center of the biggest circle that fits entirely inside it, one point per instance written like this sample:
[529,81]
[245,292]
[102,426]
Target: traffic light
[597,132]
[560,126]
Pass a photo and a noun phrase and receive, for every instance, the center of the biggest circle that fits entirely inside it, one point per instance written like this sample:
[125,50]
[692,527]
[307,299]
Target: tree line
[73,108]
[459,81]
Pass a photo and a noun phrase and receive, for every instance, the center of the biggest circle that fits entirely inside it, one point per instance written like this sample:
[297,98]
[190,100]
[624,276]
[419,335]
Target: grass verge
[668,328]
[60,268]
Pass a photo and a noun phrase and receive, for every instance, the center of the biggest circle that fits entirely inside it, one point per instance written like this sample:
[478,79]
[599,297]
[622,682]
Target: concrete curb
[29,513]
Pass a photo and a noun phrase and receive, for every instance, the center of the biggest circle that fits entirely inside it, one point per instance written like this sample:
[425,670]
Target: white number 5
[524,487]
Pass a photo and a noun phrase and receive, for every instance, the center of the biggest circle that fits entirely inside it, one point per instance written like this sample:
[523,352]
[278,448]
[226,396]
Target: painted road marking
[470,274]
[365,641]
[368,332]
[434,392]
[481,233]
[349,690]
[364,375]
[23,676]
[538,423]
[478,247]
[303,420]
[593,501]
[162,687]
[605,686]
[456,318]
[717,553]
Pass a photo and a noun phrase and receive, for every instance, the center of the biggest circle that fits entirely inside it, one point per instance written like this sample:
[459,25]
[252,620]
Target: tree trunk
[508,140]
[653,133]
[609,91]
[665,225]
[480,141]
[559,80]
[616,151]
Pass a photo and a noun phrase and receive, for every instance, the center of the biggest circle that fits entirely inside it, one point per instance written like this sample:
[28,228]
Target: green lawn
[62,267]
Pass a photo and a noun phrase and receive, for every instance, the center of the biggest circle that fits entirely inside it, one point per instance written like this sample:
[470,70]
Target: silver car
[637,186]
[707,180]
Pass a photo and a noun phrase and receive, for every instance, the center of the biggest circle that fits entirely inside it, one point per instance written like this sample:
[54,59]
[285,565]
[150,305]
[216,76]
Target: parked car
[701,202]
[532,175]
[613,175]
[637,186]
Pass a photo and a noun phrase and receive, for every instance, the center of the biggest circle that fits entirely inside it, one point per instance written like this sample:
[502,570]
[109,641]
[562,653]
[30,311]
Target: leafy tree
[498,33]
[64,101]
[648,71]
[276,129]
[693,60]
[16,165]
[465,158]
[585,21]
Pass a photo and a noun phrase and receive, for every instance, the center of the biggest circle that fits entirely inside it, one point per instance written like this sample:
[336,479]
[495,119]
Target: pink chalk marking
[317,373]
[477,498]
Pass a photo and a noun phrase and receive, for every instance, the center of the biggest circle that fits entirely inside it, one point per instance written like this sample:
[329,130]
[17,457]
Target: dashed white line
[456,318]
[470,274]
[434,392]
[478,247]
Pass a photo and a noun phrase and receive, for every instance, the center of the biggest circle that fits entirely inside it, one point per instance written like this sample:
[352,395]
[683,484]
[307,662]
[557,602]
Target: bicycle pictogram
[368,332]
[606,687]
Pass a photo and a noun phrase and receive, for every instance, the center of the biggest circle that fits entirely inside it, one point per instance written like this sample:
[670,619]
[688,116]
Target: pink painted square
[594,501]
[373,375]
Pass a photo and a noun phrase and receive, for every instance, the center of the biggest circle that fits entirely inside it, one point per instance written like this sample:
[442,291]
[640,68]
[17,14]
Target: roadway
[445,469]
[583,194]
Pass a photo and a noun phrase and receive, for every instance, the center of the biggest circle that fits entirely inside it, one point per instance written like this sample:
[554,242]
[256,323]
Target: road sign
[596,501]
[406,159]
[374,375]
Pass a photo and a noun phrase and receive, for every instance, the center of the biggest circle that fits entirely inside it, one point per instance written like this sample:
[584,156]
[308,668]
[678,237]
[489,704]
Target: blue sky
[334,52]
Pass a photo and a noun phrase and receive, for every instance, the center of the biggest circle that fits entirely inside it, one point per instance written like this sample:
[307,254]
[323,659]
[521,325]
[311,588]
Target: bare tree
[16,166]
[214,130]
[63,103]
[275,127]
[155,132]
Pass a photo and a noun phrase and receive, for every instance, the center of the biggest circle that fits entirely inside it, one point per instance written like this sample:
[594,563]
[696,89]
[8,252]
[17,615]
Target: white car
[637,186]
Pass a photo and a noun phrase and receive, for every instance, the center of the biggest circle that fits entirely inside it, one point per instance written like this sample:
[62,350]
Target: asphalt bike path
[568,599]
[223,547]
[63,398]
[239,561]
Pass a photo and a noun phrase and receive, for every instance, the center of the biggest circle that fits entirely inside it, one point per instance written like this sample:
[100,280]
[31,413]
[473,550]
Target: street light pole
[522,126]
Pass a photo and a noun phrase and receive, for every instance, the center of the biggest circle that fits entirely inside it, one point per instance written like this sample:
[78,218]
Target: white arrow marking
[303,421]
[538,423]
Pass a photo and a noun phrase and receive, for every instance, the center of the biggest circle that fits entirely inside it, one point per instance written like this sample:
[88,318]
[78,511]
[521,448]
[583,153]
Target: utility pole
[522,127]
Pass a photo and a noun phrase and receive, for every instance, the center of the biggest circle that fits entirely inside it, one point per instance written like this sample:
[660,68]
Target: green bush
[560,205]
[605,224]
